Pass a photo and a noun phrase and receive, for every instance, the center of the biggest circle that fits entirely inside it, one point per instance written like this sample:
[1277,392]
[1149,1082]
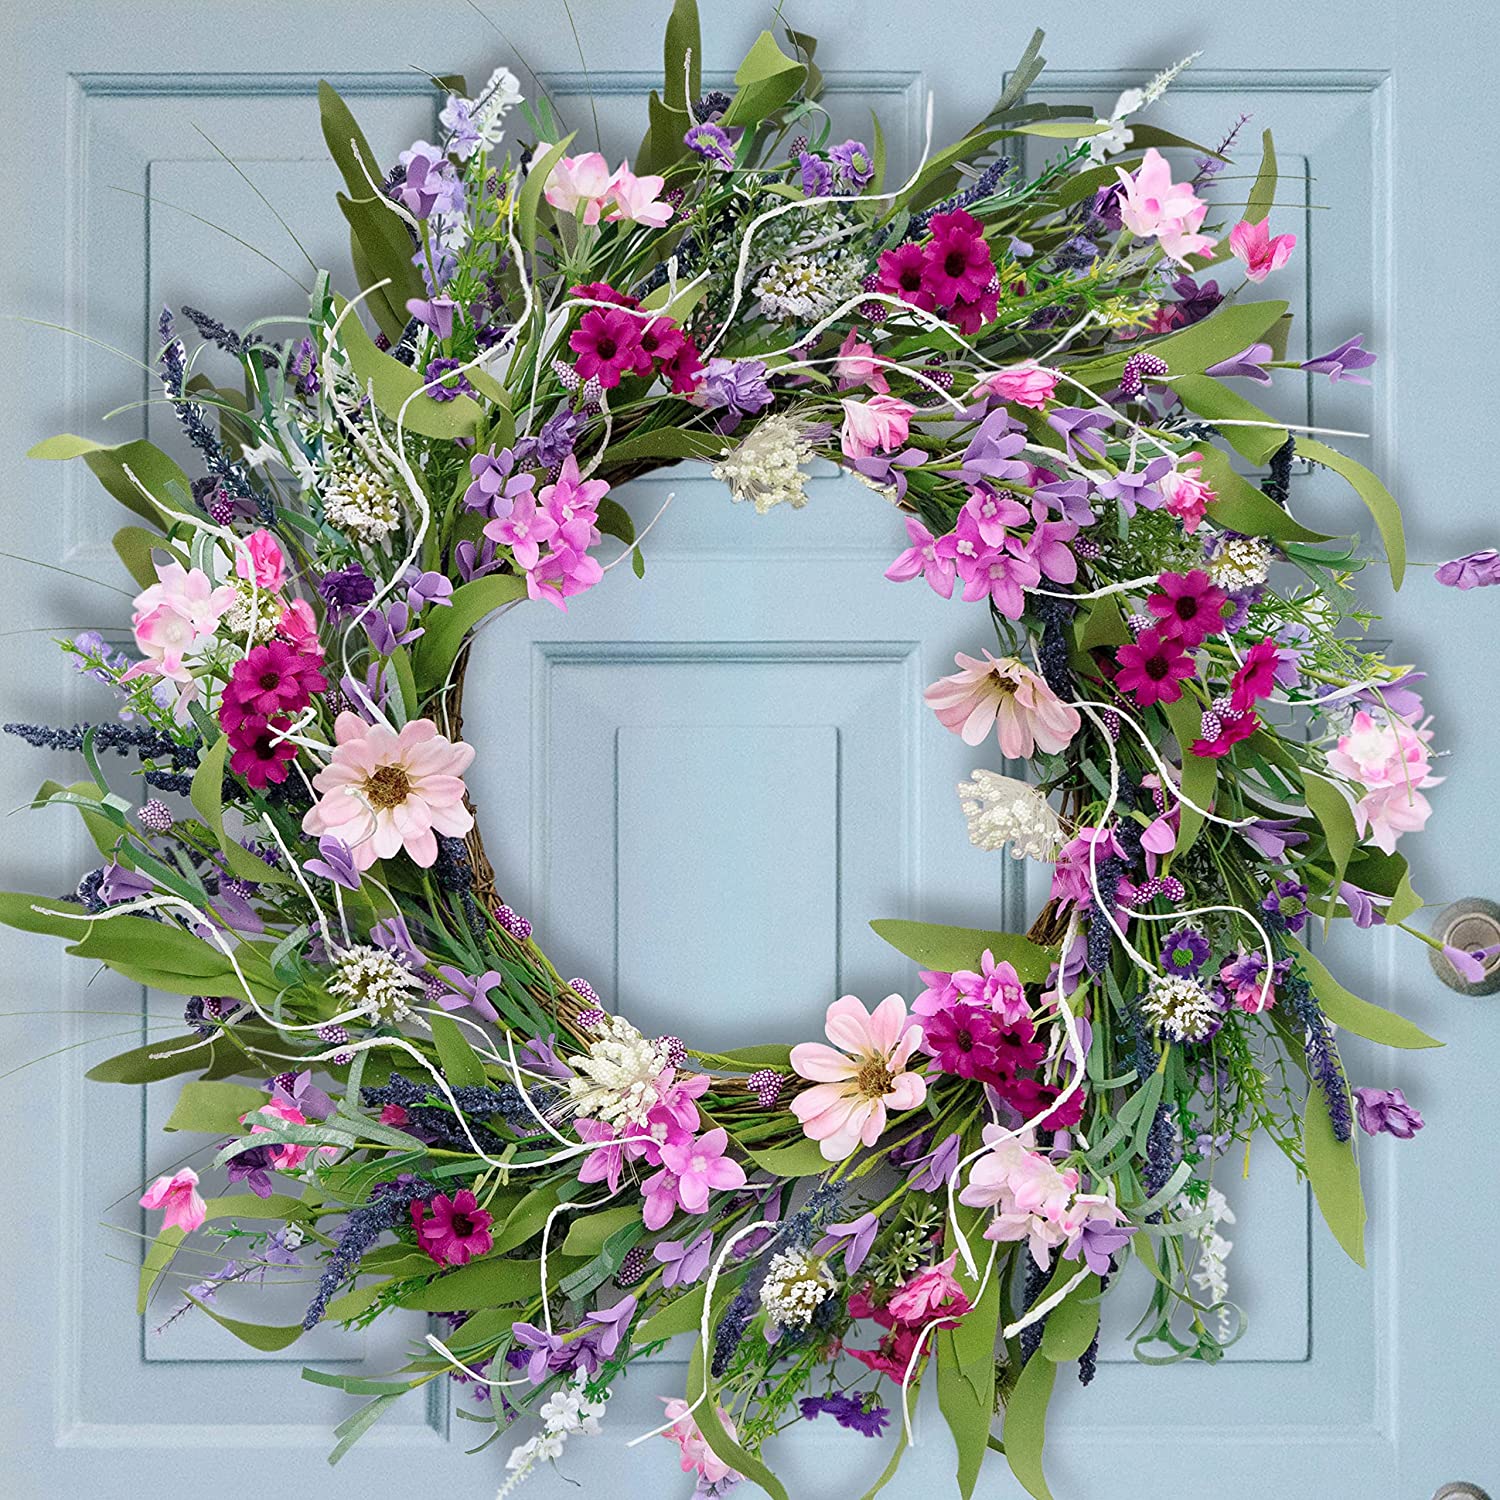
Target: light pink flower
[577,181]
[524,530]
[701,1167]
[1020,385]
[1392,761]
[855,1086]
[1026,713]
[634,198]
[176,616]
[259,556]
[383,792]
[926,1292]
[1153,206]
[573,505]
[1261,252]
[1029,1194]
[856,365]
[178,1198]
[1185,495]
[879,425]
[697,1457]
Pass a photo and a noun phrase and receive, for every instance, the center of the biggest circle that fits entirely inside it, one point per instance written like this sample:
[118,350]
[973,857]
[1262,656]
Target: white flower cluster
[803,288]
[1005,811]
[563,1413]
[794,1288]
[1181,1008]
[480,121]
[357,498]
[1240,563]
[767,467]
[254,615]
[371,980]
[617,1083]
[1211,1275]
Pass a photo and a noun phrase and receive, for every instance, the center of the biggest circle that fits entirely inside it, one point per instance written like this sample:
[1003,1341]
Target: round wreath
[1036,371]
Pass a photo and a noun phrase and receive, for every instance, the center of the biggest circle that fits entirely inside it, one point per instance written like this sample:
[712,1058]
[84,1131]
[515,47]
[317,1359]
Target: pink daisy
[1026,713]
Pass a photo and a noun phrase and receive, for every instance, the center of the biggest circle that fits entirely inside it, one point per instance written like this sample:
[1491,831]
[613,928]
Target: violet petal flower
[1361,904]
[1248,364]
[613,1322]
[934,1170]
[120,884]
[1475,570]
[1339,362]
[992,450]
[465,991]
[1080,429]
[335,862]
[540,1056]
[392,935]
[860,1234]
[1386,1111]
[1274,836]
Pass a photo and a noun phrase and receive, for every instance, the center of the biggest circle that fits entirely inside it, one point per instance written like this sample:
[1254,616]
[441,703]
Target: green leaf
[447,629]
[1242,507]
[1208,398]
[133,546]
[1061,130]
[1328,804]
[166,484]
[257,1335]
[803,1159]
[1373,1022]
[395,387]
[214,1108]
[717,1438]
[663,442]
[527,1217]
[141,1065]
[767,1055]
[1102,624]
[1190,351]
[1072,1324]
[207,795]
[400,660]
[492,1282]
[966,1380]
[460,1062]
[1263,193]
[1378,500]
[1199,772]
[951,948]
[104,825]
[1334,1174]
[531,192]
[1026,1425]
[685,1315]
[766,80]
[682,56]
[349,1432]
[586,1235]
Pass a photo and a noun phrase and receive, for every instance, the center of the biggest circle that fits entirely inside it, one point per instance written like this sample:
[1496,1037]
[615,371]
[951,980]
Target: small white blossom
[1240,563]
[371,980]
[1181,1008]
[794,1288]
[767,467]
[254,615]
[803,288]
[1005,811]
[1211,1275]
[563,1413]
[619,1080]
[357,498]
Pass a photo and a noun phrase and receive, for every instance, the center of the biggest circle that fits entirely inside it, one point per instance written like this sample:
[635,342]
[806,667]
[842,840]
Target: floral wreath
[402,1093]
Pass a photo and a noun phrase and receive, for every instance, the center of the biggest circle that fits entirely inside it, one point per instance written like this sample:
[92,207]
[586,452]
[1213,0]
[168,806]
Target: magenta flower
[523,530]
[563,572]
[993,514]
[918,1298]
[997,985]
[608,345]
[270,679]
[1152,667]
[457,1230]
[921,557]
[1189,606]
[1260,251]
[1256,678]
[902,274]
[573,505]
[957,264]
[605,1163]
[700,1166]
[178,1198]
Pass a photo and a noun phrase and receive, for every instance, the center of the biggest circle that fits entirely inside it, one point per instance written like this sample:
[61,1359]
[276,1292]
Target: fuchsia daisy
[452,1230]
[608,345]
[1189,606]
[1153,667]
[956,261]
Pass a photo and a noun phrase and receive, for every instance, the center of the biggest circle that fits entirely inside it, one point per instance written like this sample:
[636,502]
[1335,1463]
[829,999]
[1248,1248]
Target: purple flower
[1196,302]
[335,862]
[852,164]
[547,1349]
[473,562]
[540,1056]
[1338,363]
[737,385]
[848,1411]
[442,383]
[1475,570]
[612,1323]
[120,884]
[1248,364]
[1288,901]
[1138,489]
[252,1167]
[1274,836]
[555,441]
[1469,964]
[860,1234]
[713,143]
[685,1260]
[430,588]
[391,627]
[1185,951]
[346,590]
[817,176]
[431,185]
[392,936]
[1386,1110]
[1070,497]
[1361,904]
[1080,429]
[992,451]
[298,1090]
[1099,1241]
[464,991]
[435,313]
[303,365]
[935,1169]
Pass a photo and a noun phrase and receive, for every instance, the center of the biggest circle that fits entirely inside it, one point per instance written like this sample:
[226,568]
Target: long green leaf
[438,647]
[167,486]
[717,1438]
[1334,1174]
[766,80]
[1190,351]
[1378,500]
[495,1281]
[1242,507]
[1263,192]
[267,1339]
[1373,1022]
[213,1108]
[949,948]
[1026,1425]
[1328,804]
[531,192]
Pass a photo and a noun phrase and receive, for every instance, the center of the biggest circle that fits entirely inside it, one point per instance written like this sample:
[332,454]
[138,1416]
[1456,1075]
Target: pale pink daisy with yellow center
[1027,715]
[385,791]
[860,1078]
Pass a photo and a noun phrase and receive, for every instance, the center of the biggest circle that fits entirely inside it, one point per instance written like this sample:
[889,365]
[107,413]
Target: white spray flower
[1004,811]
[619,1080]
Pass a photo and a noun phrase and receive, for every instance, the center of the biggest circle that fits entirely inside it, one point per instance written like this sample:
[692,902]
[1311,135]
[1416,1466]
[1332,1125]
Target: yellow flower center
[874,1079]
[388,787]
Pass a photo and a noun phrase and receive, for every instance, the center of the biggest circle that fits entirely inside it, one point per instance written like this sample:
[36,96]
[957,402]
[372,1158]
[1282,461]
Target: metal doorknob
[1460,1489]
[1472,926]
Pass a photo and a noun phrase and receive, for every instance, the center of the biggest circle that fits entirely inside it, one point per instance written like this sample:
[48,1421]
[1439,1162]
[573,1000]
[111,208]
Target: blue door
[702,785]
